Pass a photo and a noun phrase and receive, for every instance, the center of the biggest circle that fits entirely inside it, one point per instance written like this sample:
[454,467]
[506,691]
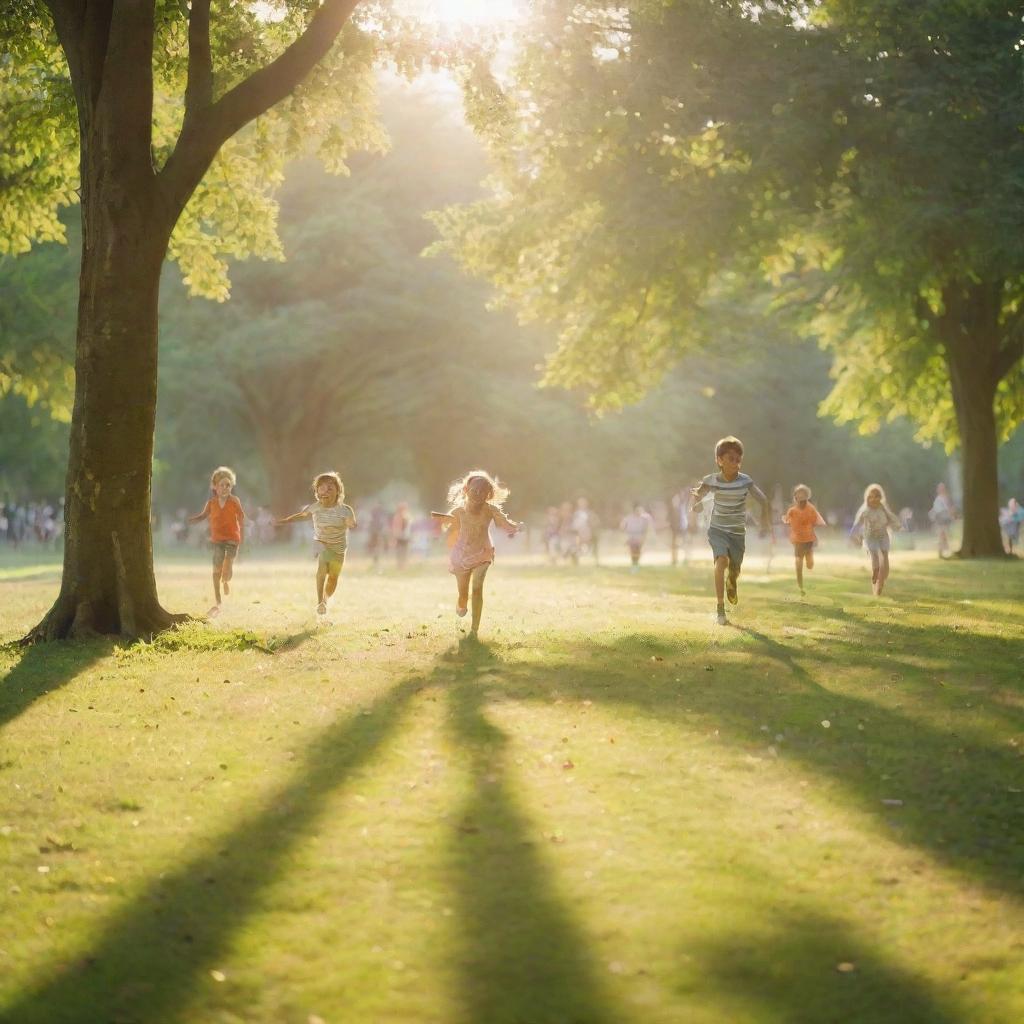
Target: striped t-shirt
[331,524]
[729,512]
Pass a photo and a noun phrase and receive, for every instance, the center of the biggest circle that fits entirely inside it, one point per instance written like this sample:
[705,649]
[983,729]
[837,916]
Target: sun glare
[466,13]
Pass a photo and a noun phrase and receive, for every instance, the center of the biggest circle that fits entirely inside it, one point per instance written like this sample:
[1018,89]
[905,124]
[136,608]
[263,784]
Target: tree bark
[108,584]
[972,345]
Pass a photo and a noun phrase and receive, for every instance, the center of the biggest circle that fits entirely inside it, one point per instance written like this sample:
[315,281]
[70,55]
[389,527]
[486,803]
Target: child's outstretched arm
[446,516]
[355,522]
[698,493]
[819,518]
[200,516]
[510,527]
[294,517]
[766,506]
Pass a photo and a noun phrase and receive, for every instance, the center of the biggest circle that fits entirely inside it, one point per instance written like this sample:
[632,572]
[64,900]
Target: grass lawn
[609,811]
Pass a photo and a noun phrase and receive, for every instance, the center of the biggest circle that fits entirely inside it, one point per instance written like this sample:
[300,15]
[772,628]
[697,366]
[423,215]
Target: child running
[873,521]
[226,516]
[802,517]
[475,502]
[727,532]
[332,520]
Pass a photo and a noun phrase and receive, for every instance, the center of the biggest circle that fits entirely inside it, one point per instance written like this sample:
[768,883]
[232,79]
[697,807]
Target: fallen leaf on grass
[218,976]
[568,764]
[846,967]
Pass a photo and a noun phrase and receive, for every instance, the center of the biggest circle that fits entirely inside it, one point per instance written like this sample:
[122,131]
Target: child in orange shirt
[224,511]
[802,517]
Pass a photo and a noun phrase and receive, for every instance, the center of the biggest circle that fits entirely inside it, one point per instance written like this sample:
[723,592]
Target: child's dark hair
[728,444]
[334,478]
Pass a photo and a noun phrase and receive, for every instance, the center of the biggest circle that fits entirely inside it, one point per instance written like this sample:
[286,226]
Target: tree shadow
[522,959]
[43,668]
[807,968]
[957,794]
[146,963]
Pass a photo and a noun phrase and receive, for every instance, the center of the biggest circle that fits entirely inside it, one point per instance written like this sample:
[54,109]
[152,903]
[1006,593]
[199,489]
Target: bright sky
[467,13]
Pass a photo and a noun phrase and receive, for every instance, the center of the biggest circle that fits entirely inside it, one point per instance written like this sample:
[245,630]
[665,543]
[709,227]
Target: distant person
[636,526]
[552,534]
[906,515]
[401,533]
[942,514]
[871,525]
[332,519]
[679,524]
[377,541]
[586,528]
[474,502]
[567,534]
[727,532]
[1010,519]
[226,516]
[802,517]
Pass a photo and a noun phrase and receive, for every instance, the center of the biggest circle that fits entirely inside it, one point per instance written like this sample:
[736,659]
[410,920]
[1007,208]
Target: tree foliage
[656,159]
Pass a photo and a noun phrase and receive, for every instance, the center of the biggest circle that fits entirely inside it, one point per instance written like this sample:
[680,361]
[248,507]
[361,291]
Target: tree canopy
[859,163]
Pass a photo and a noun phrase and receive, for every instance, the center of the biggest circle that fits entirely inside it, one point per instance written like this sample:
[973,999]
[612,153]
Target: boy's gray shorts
[732,545]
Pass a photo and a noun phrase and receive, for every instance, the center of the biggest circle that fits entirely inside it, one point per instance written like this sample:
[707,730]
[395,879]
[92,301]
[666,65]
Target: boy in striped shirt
[727,531]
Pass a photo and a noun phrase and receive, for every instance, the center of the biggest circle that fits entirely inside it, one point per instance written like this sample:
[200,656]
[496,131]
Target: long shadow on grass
[43,668]
[787,968]
[956,796]
[522,960]
[148,960]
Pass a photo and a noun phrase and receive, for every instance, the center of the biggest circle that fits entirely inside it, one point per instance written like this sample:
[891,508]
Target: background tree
[867,165]
[354,278]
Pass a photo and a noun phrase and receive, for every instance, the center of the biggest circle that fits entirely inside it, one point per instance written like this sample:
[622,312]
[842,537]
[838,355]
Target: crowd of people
[31,522]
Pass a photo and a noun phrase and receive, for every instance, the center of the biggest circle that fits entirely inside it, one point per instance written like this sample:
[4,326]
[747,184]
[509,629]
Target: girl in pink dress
[475,502]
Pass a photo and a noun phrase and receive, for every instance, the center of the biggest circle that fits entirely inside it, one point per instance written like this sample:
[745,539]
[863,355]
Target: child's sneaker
[460,611]
[321,608]
[730,588]
[721,619]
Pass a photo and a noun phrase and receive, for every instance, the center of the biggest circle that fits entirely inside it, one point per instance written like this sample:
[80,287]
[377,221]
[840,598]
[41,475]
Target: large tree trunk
[108,584]
[972,347]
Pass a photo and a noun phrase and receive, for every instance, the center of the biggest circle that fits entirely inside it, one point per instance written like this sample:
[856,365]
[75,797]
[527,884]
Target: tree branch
[209,129]
[83,32]
[1013,350]
[199,88]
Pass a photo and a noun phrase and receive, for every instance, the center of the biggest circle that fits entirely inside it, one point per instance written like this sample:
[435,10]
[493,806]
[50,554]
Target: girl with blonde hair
[872,524]
[474,503]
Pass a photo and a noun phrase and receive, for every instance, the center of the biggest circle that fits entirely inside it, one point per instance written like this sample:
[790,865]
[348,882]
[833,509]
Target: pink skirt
[462,560]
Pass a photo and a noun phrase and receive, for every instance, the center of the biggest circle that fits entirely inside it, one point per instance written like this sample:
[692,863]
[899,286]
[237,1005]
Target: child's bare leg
[478,595]
[217,569]
[462,601]
[721,564]
[226,572]
[874,570]
[321,576]
[883,571]
[809,557]
[800,571]
[332,584]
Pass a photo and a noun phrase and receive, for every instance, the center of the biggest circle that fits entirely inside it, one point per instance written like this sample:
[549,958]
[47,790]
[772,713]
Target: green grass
[610,811]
